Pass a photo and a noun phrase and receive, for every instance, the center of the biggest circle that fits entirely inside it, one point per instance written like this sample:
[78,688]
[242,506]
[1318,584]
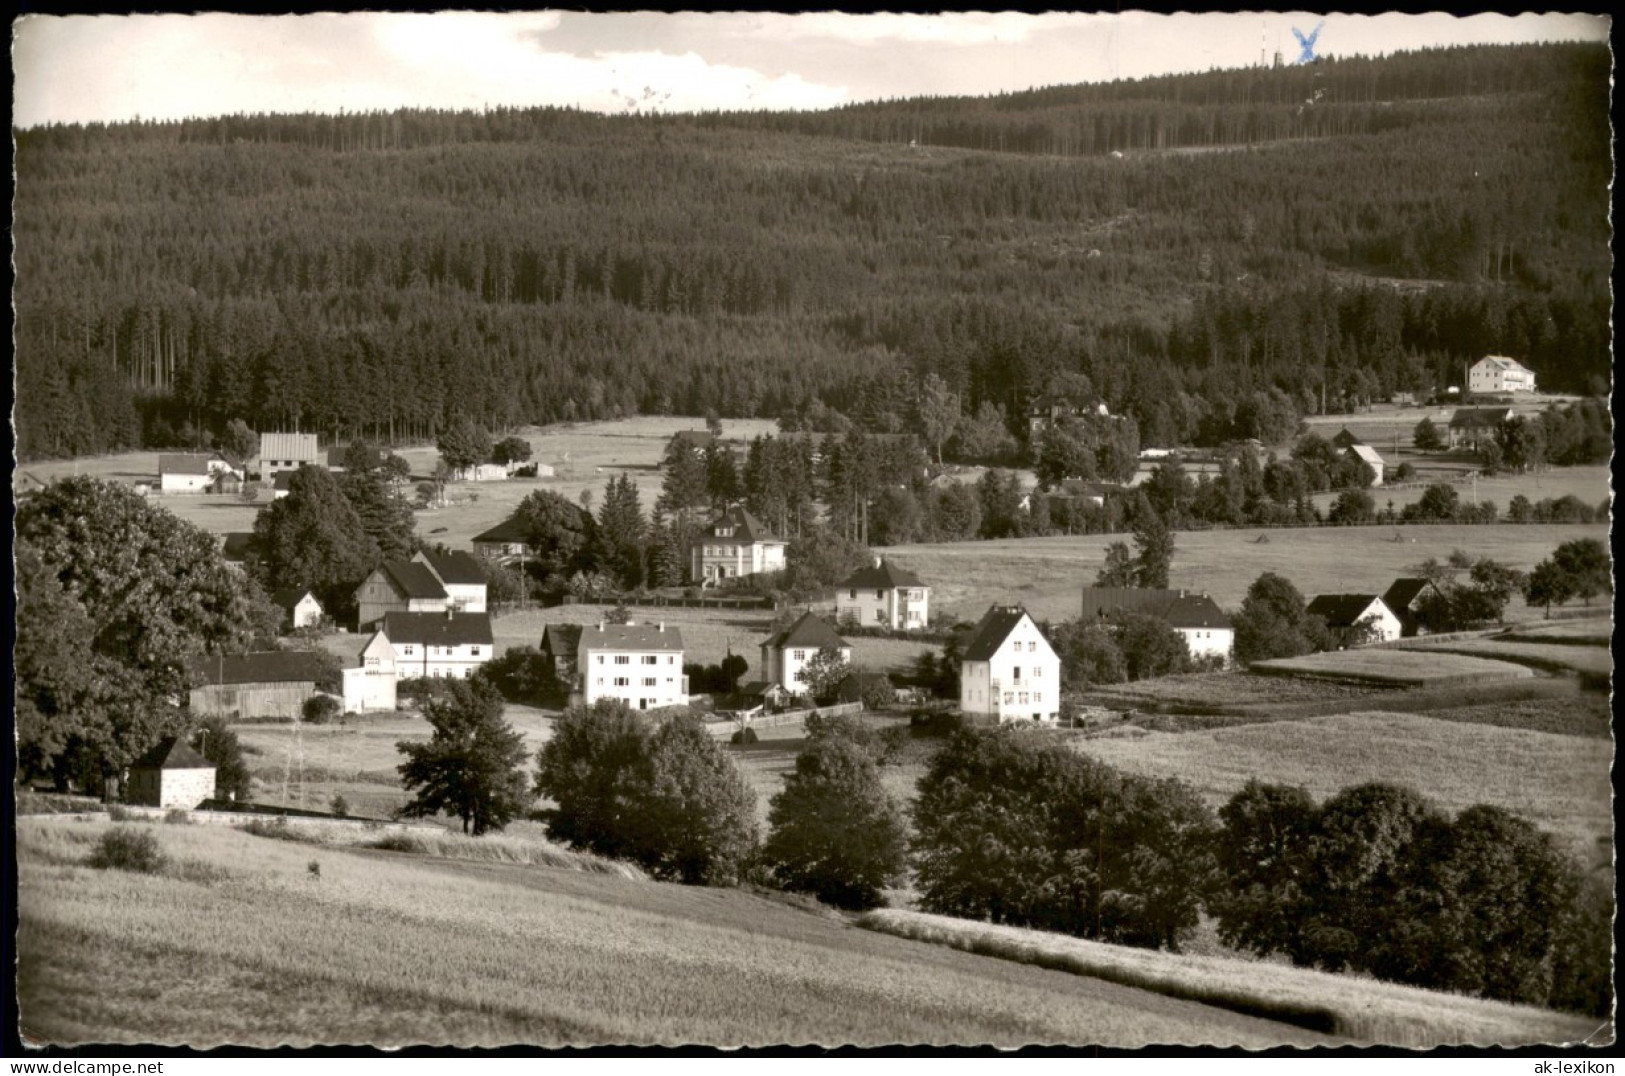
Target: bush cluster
[128,850]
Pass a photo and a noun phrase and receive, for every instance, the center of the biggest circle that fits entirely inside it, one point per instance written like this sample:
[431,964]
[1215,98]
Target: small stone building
[170,775]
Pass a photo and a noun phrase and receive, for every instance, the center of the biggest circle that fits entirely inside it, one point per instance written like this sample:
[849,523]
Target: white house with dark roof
[459,576]
[1205,627]
[1498,373]
[1346,613]
[370,683]
[503,542]
[1473,426]
[733,546]
[447,644]
[1406,597]
[1370,458]
[882,594]
[639,664]
[286,452]
[170,775]
[299,606]
[399,586]
[785,653]
[1009,671]
[191,473]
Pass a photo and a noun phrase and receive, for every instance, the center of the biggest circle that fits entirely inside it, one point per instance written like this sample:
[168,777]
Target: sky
[69,69]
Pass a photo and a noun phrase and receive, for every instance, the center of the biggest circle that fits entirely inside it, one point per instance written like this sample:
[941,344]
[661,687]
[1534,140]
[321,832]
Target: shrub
[128,850]
[746,735]
[177,817]
[339,806]
[320,709]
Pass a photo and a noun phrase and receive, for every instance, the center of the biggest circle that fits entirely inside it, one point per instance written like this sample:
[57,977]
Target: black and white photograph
[1081,531]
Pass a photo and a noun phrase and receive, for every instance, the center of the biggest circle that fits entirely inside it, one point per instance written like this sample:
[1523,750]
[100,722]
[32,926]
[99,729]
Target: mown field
[1559,782]
[1551,656]
[264,943]
[1589,484]
[1046,574]
[1409,668]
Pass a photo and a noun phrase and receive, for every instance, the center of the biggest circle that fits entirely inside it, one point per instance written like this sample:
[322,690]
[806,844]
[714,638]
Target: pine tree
[472,765]
[621,531]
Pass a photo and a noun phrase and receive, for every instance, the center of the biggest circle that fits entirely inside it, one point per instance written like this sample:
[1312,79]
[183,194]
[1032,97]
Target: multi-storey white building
[1497,373]
[286,452]
[1009,671]
[448,644]
[734,546]
[885,595]
[459,576]
[785,654]
[640,664]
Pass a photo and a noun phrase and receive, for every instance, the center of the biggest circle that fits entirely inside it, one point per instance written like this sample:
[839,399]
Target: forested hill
[1201,250]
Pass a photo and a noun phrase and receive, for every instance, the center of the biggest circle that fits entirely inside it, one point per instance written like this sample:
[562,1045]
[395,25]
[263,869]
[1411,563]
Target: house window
[852,595]
[880,595]
[623,659]
[407,649]
[1038,696]
[600,659]
[1038,670]
[1024,700]
[650,659]
[649,681]
[473,651]
[621,681]
[1009,696]
[600,681]
[670,660]
[799,655]
[372,663]
[1032,647]
[1015,673]
[880,616]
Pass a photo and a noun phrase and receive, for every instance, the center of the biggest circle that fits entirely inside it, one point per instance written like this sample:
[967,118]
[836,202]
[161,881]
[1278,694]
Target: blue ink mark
[1307,55]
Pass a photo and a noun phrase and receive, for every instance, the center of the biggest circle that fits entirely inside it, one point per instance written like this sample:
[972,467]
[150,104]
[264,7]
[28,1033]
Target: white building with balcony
[1009,671]
[639,664]
[883,595]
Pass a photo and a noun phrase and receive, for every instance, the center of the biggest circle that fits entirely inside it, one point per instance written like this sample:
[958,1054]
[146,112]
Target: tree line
[174,276]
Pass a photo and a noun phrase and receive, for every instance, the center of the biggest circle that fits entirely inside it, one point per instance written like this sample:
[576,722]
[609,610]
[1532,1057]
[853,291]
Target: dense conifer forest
[1187,247]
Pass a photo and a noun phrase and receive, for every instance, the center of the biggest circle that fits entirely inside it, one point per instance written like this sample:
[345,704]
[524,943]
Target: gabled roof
[183,463]
[1342,610]
[1503,362]
[171,753]
[630,637]
[438,629]
[411,579]
[1177,608]
[881,575]
[1479,417]
[1195,611]
[454,567]
[757,689]
[288,597]
[262,667]
[1345,439]
[562,640]
[747,529]
[992,630]
[1367,453]
[509,530]
[288,446]
[809,632]
[1403,591]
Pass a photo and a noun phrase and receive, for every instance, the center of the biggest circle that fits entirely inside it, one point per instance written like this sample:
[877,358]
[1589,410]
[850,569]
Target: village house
[191,473]
[459,576]
[370,684]
[237,548]
[1497,373]
[1009,671]
[1347,615]
[506,541]
[882,594]
[734,546]
[785,653]
[638,664]
[286,452]
[446,644]
[399,586]
[171,775]
[299,606]
[561,643]
[1370,458]
[1472,427]
[1405,598]
[759,697]
[1045,412]
[268,683]
[694,442]
[1205,627]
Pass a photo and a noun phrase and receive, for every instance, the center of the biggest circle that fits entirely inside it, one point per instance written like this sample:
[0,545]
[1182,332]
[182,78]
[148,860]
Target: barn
[272,683]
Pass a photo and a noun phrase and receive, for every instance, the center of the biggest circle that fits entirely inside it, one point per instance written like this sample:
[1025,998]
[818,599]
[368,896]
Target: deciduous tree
[472,765]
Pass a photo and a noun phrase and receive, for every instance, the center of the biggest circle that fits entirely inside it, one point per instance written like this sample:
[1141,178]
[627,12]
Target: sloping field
[1397,667]
[1558,782]
[1553,656]
[1590,484]
[1587,631]
[1046,574]
[1362,1009]
[264,942]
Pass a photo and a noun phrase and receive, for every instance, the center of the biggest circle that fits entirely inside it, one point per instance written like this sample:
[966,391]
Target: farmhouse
[1048,410]
[1405,598]
[1369,457]
[370,684]
[170,775]
[759,696]
[502,542]
[445,644]
[182,473]
[299,607]
[399,586]
[883,594]
[286,452]
[639,664]
[561,643]
[459,576]
[1009,671]
[269,683]
[785,653]
[1200,622]
[237,547]
[734,546]
[1347,615]
[694,442]
[1497,373]
[1471,427]
[484,472]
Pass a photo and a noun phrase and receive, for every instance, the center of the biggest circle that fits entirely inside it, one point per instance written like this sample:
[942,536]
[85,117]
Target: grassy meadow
[263,943]
[1361,1009]
[1046,574]
[1396,667]
[1558,782]
[1559,656]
